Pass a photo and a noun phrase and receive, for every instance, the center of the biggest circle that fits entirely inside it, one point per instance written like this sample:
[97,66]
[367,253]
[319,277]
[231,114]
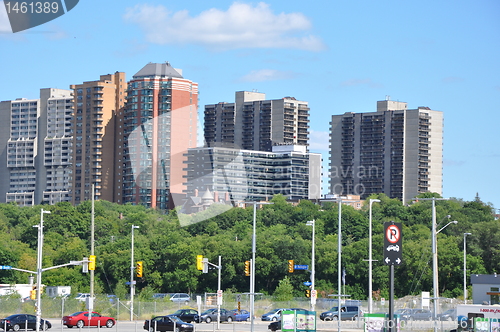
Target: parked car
[180,297]
[210,315]
[82,296]
[19,322]
[346,313]
[159,296]
[414,314]
[449,315]
[186,315]
[86,318]
[167,323]
[273,315]
[240,315]
[275,326]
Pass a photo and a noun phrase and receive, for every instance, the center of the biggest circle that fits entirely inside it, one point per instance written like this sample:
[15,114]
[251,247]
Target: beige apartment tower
[96,142]
[395,150]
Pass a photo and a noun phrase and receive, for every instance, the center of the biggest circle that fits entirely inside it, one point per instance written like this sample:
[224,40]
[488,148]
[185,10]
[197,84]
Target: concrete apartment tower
[36,146]
[96,141]
[254,123]
[160,125]
[395,151]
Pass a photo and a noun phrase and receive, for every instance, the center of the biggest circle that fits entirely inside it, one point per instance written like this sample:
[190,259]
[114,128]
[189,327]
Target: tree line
[168,250]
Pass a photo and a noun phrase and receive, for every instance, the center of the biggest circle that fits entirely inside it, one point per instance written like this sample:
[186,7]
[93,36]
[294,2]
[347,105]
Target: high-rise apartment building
[160,125]
[254,123]
[36,146]
[247,175]
[395,151]
[96,142]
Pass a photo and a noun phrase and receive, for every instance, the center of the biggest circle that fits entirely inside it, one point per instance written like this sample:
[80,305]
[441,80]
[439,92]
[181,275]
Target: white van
[180,297]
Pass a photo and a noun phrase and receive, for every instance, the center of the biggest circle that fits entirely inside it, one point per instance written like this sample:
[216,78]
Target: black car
[23,322]
[211,315]
[274,326]
[186,315]
[167,323]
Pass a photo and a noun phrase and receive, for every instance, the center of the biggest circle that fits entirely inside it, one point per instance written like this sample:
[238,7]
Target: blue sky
[340,56]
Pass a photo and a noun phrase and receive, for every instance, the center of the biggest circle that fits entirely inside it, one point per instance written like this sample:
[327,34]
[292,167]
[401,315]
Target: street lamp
[252,265]
[132,282]
[370,260]
[39,270]
[435,259]
[313,289]
[465,266]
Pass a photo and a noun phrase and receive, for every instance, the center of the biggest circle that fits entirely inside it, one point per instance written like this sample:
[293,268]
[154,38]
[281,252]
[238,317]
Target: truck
[58,291]
[466,314]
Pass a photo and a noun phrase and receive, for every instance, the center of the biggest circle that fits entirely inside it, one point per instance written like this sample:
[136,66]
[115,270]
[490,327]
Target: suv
[180,297]
[346,313]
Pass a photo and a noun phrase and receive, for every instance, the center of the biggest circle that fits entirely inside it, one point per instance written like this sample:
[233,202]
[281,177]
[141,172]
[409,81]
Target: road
[259,326]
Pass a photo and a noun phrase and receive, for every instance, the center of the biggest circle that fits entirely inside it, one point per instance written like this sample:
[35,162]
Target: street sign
[307,283]
[393,240]
[301,267]
[5,267]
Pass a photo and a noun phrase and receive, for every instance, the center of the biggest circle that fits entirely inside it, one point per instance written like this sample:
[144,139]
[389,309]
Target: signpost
[393,255]
[301,267]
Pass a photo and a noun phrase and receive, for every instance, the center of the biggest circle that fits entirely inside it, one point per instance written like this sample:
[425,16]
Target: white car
[82,296]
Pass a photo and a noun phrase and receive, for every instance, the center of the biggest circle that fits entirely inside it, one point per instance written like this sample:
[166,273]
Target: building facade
[254,123]
[395,150]
[248,175]
[36,140]
[96,142]
[159,125]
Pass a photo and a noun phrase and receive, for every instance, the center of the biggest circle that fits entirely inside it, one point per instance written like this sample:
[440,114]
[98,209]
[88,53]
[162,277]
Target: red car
[85,318]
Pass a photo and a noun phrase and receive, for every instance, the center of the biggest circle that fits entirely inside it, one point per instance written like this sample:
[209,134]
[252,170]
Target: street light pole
[313,271]
[132,267]
[339,267]
[92,251]
[252,264]
[39,270]
[370,260]
[465,266]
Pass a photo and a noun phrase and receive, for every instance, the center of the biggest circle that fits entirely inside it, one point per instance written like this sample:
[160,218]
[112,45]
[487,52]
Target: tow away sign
[393,240]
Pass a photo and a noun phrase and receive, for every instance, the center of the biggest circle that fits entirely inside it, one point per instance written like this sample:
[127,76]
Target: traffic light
[308,293]
[199,262]
[290,266]
[138,269]
[247,268]
[33,294]
[92,262]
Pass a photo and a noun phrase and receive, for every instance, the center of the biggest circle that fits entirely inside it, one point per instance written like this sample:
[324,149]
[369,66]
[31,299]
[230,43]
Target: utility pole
[91,300]
[132,281]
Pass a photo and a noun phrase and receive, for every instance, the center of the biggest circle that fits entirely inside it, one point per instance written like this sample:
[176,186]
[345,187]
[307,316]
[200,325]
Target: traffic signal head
[290,266]
[308,293]
[138,269]
[199,262]
[247,268]
[33,294]
[91,262]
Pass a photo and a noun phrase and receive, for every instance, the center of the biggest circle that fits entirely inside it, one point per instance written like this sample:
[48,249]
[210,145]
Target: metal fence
[120,309]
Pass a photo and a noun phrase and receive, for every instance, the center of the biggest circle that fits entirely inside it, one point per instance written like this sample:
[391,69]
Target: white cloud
[240,26]
[267,75]
[319,141]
